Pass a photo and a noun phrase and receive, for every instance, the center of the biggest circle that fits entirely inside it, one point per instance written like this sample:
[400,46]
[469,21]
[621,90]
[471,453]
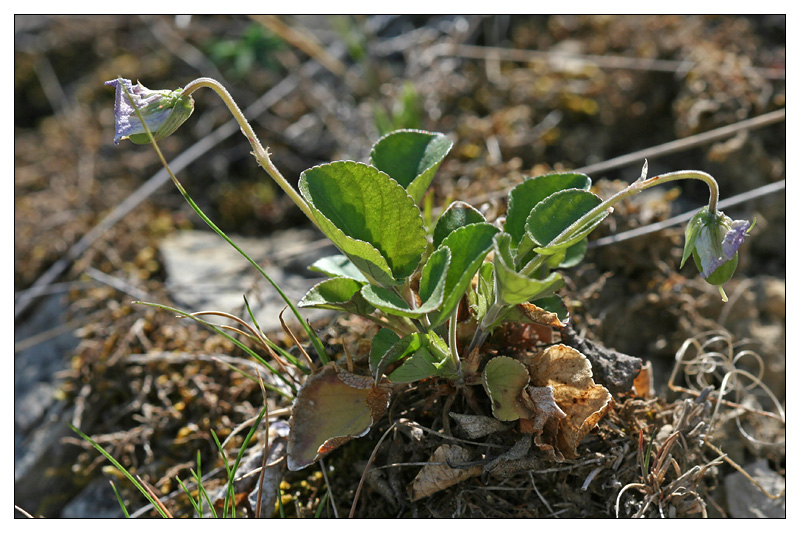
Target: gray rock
[745,500]
[205,273]
[42,478]
[96,500]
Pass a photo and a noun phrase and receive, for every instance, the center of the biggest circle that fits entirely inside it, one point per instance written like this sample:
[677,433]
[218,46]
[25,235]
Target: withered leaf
[438,475]
[537,315]
[584,403]
[643,382]
[544,406]
[477,426]
[332,407]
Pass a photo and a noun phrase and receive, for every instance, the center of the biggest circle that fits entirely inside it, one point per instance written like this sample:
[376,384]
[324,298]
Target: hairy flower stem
[635,188]
[261,154]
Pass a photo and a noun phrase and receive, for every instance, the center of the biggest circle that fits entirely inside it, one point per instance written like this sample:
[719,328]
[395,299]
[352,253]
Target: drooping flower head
[713,239]
[163,111]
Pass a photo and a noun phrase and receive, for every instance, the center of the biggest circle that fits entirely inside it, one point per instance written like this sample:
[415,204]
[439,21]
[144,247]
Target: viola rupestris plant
[411,278]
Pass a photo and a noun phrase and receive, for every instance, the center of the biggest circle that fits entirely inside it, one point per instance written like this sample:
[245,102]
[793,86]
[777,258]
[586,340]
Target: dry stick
[724,457]
[366,469]
[199,149]
[604,61]
[328,486]
[305,41]
[266,448]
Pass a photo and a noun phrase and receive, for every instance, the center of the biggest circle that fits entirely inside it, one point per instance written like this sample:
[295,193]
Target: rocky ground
[98,226]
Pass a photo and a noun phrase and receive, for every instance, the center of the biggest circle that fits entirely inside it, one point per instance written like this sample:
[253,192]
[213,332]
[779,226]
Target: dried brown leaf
[438,475]
[540,316]
[584,403]
[477,426]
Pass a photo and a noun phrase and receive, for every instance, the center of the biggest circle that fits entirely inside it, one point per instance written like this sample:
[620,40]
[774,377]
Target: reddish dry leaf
[643,382]
[438,475]
[332,407]
[540,316]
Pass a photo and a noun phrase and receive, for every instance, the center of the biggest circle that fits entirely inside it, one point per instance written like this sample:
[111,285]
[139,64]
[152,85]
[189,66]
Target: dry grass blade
[288,331]
[255,335]
[366,469]
[155,496]
[724,457]
[266,449]
[23,511]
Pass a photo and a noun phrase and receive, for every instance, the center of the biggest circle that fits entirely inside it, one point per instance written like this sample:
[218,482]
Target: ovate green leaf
[458,214]
[411,157]
[432,286]
[368,216]
[340,294]
[337,266]
[468,247]
[524,197]
[553,215]
[382,342]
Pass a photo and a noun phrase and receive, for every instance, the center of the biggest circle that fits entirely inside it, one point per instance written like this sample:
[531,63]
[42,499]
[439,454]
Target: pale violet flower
[163,111]
[714,240]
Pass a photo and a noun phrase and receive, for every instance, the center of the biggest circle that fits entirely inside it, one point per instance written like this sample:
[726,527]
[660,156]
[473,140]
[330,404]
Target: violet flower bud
[714,240]
[163,111]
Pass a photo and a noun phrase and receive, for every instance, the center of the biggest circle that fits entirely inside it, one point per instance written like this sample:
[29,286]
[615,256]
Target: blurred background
[97,226]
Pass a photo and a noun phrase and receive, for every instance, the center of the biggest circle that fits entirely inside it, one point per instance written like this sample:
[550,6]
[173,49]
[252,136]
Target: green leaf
[468,247]
[524,197]
[382,342]
[411,157]
[423,356]
[338,266]
[368,216]
[339,294]
[332,407]
[514,288]
[574,254]
[482,297]
[433,277]
[432,285]
[553,304]
[700,219]
[419,365]
[402,348]
[504,379]
[458,214]
[553,215]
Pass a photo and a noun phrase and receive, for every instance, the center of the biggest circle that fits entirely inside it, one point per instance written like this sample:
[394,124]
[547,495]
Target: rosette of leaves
[411,278]
[371,213]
